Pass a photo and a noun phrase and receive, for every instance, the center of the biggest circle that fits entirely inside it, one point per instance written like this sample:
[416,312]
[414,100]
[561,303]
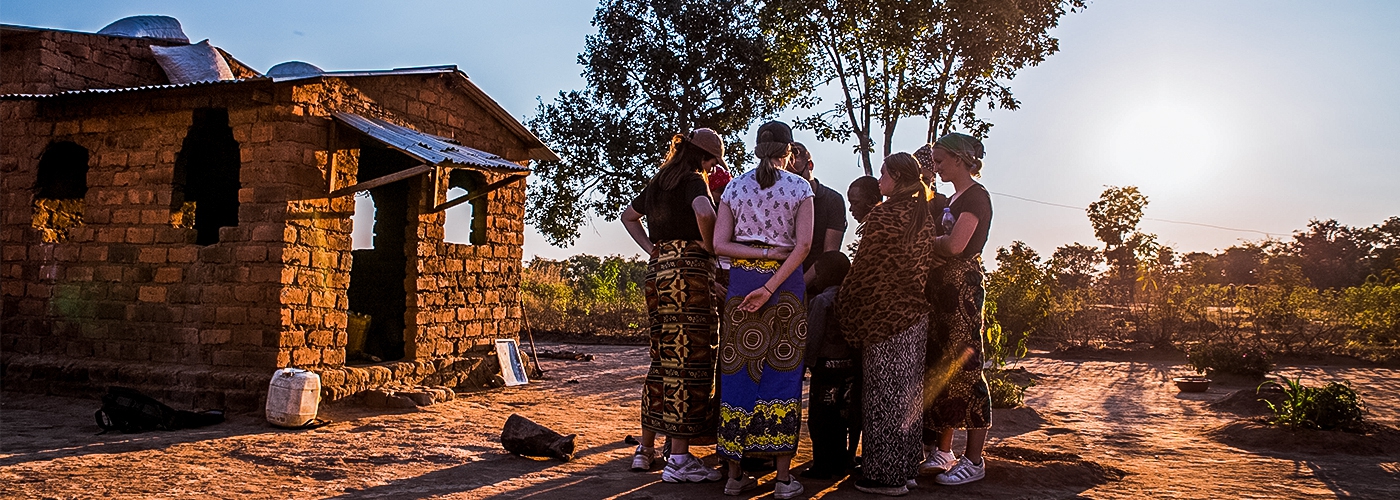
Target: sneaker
[963,472]
[737,486]
[938,462]
[877,488]
[641,461]
[911,484]
[688,469]
[784,491]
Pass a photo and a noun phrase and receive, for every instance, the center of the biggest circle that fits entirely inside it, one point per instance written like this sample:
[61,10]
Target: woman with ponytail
[677,399]
[765,226]
[883,311]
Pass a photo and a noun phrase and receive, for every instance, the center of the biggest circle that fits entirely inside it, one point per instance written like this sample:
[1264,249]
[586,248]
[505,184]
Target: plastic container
[293,397]
[947,221]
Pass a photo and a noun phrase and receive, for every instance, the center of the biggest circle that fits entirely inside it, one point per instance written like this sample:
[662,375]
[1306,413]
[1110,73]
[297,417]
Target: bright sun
[1167,144]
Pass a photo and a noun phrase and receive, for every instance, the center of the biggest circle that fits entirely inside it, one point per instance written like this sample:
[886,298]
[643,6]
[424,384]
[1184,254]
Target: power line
[1169,221]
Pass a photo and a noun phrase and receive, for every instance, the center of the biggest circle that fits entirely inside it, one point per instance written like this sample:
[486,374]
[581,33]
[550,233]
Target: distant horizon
[1245,115]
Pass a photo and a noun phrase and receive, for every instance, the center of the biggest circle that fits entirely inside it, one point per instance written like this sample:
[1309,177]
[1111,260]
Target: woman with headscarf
[765,227]
[882,311]
[677,399]
[960,397]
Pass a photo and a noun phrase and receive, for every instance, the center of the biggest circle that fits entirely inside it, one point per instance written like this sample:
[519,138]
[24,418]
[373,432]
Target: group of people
[747,290]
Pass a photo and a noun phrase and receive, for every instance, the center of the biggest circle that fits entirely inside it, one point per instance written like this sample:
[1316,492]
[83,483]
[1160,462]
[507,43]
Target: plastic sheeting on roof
[431,149]
[162,27]
[294,69]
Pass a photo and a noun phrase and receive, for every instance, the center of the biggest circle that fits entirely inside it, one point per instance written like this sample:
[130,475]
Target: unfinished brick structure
[201,314]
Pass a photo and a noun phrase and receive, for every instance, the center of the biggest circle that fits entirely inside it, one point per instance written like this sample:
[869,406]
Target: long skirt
[893,394]
[957,388]
[678,398]
[760,365]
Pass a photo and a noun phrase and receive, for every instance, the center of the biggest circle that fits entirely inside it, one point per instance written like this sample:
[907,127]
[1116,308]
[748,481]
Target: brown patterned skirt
[678,398]
[958,393]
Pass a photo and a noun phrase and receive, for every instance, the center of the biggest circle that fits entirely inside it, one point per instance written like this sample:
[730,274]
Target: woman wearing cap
[677,399]
[960,395]
[765,226]
[883,311]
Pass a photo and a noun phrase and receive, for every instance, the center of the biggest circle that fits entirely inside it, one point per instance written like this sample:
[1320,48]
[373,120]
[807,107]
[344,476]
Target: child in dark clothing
[834,410]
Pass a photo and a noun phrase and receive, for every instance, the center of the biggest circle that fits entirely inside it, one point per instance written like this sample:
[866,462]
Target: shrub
[999,346]
[1334,406]
[1005,393]
[1227,358]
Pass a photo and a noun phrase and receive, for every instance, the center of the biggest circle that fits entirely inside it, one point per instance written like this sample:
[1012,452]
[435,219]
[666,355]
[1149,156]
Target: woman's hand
[755,300]
[779,253]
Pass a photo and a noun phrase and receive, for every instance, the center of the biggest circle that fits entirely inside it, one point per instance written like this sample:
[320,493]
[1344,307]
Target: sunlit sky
[1252,115]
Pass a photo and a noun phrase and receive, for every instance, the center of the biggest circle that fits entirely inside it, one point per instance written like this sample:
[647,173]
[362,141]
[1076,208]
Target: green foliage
[1019,290]
[585,294]
[1005,393]
[1334,406]
[653,69]
[1229,358]
[998,346]
[897,59]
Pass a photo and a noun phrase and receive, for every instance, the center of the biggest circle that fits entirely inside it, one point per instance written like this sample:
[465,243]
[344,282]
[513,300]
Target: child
[834,409]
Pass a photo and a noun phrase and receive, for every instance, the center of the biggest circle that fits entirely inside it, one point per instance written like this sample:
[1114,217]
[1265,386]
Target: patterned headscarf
[967,148]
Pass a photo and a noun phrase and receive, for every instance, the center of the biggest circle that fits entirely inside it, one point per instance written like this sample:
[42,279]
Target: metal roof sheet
[431,149]
[123,90]
[422,70]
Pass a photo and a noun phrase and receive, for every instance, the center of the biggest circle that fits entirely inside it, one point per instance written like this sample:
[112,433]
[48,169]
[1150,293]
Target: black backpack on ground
[128,410]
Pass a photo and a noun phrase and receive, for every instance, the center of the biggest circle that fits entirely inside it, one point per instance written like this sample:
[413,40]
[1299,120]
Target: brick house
[187,240]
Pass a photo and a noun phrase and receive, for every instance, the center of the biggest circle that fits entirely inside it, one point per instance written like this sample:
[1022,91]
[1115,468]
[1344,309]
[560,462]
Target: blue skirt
[760,360]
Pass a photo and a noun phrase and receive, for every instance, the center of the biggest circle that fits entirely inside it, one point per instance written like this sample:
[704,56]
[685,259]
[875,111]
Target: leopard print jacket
[884,293]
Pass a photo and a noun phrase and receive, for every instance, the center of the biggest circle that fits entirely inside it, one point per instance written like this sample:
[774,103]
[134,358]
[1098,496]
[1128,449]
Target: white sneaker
[641,461]
[938,462]
[688,469]
[963,472]
[785,491]
[737,486]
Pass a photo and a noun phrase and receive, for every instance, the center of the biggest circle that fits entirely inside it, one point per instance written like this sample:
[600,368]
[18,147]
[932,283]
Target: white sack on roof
[192,63]
[162,27]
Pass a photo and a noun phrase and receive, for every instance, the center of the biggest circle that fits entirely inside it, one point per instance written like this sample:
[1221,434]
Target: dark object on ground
[631,440]
[571,381]
[1250,402]
[1192,384]
[128,410]
[522,436]
[565,354]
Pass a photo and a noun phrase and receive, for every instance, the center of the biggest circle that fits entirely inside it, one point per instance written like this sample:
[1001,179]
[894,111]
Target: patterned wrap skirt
[760,365]
[678,398]
[958,390]
[892,395]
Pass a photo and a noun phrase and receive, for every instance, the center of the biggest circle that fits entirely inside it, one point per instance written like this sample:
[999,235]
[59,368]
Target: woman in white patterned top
[765,225]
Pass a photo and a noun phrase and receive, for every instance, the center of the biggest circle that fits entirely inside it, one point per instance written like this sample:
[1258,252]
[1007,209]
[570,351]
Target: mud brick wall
[127,287]
[47,61]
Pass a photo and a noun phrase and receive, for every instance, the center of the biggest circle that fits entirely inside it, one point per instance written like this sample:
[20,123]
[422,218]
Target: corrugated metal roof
[132,89]
[431,149]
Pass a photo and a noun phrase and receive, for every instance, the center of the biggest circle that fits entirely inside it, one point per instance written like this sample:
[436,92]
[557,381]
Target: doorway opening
[378,275]
[205,181]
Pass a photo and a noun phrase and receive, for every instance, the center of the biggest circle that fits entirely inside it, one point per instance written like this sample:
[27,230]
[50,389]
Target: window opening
[466,223]
[362,223]
[59,190]
[205,182]
[378,274]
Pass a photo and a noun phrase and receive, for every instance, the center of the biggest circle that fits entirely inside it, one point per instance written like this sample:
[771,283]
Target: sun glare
[1167,144]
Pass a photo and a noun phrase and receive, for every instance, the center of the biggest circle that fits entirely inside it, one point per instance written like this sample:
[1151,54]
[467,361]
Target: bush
[1334,406]
[1228,358]
[584,294]
[1005,393]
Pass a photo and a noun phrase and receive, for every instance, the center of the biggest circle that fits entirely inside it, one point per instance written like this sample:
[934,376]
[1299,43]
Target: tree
[1332,255]
[1074,266]
[1115,218]
[893,59]
[655,68]
[1020,290]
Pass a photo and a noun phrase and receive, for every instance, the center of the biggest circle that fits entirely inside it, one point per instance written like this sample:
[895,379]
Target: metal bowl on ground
[1192,384]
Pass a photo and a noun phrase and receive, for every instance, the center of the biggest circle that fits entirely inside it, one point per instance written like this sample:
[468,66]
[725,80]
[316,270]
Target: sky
[1255,116]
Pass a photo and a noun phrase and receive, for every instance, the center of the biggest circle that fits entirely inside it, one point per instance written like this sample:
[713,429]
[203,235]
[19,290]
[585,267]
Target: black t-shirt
[978,202]
[668,212]
[828,212]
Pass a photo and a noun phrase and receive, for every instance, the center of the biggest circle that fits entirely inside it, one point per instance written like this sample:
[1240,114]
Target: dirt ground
[1093,427]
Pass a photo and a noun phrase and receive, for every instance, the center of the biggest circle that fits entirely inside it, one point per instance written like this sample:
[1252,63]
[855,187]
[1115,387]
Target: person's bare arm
[632,220]
[705,218]
[755,299]
[726,246]
[832,243]
[956,241]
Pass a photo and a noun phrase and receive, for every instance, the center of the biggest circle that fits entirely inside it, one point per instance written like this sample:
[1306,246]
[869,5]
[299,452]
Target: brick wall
[46,61]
